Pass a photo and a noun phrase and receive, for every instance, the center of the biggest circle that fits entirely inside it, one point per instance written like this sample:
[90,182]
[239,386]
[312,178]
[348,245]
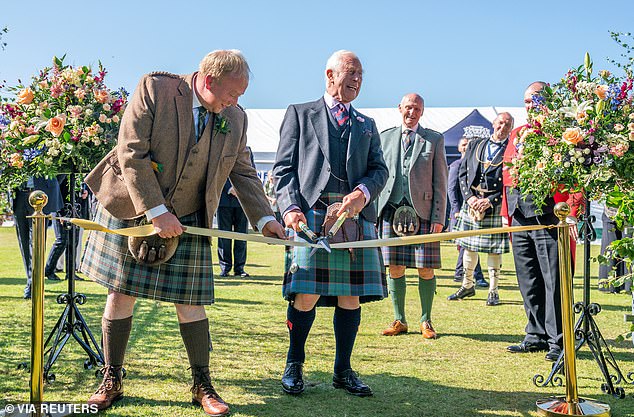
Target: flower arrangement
[578,137]
[66,120]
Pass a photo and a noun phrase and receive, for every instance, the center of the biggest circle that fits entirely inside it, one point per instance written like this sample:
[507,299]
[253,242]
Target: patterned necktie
[341,116]
[202,117]
[407,139]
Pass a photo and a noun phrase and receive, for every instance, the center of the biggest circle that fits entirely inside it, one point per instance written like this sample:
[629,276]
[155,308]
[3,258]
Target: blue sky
[454,53]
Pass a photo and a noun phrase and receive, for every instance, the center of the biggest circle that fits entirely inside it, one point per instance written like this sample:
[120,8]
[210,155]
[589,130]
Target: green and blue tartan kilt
[187,278]
[334,274]
[497,243]
[426,255]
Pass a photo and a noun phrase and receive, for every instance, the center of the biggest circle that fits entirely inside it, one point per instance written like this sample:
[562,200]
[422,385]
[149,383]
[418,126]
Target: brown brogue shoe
[110,390]
[428,330]
[205,395]
[397,327]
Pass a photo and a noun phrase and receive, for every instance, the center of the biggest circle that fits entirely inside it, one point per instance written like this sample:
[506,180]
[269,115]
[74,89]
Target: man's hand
[232,191]
[274,229]
[167,225]
[353,203]
[436,227]
[292,219]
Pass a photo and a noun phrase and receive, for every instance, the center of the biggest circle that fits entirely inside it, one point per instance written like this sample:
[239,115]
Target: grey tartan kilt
[426,255]
[187,278]
[335,274]
[487,243]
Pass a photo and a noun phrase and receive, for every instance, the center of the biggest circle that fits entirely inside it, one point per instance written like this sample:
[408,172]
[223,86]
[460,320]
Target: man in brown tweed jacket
[181,137]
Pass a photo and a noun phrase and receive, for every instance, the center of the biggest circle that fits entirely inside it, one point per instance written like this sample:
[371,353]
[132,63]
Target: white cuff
[264,220]
[365,191]
[155,212]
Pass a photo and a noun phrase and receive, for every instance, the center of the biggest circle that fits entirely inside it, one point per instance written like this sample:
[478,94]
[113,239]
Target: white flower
[575,108]
[566,164]
[106,107]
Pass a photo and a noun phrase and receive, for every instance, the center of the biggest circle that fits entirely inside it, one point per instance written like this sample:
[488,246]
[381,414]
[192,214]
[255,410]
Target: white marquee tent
[264,124]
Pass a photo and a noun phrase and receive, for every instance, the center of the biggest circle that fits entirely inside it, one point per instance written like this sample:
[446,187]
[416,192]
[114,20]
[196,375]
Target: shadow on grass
[393,395]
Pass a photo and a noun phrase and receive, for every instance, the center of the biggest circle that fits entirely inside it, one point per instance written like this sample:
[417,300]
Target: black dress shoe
[27,292]
[525,347]
[553,354]
[349,380]
[53,277]
[224,274]
[482,283]
[242,274]
[293,379]
[462,293]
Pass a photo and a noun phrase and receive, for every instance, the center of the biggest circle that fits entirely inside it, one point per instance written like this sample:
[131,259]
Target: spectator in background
[479,176]
[269,190]
[617,267]
[455,203]
[415,157]
[24,226]
[231,217]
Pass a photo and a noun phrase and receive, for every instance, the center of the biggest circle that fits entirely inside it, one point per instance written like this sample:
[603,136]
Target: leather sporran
[350,230]
[405,221]
[476,215]
[151,250]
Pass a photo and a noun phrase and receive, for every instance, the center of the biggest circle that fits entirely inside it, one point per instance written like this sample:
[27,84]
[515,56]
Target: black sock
[346,324]
[299,324]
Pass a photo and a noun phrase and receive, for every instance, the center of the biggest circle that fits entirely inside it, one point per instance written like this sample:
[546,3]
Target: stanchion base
[558,406]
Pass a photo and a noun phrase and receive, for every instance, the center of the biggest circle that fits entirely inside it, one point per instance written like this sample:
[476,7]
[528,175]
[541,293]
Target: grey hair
[334,62]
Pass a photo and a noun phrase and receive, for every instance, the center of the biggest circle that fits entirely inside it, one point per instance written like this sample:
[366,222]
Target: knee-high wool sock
[346,325]
[426,291]
[116,334]
[299,324]
[398,289]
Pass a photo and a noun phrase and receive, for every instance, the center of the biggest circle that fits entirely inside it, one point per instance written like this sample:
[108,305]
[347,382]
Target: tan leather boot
[110,390]
[205,395]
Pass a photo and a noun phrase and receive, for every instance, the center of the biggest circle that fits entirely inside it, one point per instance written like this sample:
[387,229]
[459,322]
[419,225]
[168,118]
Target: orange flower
[56,125]
[25,96]
[572,136]
[101,96]
[601,91]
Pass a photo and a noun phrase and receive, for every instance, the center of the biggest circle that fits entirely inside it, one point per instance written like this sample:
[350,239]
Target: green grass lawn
[466,372]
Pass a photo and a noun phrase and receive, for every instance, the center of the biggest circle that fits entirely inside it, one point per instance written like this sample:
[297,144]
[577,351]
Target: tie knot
[202,110]
[407,131]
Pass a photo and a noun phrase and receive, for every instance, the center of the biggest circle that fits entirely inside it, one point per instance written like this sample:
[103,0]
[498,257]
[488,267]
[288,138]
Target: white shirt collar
[415,129]
[332,102]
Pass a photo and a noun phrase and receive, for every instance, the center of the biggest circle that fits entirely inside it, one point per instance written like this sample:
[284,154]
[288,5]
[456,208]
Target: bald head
[532,89]
[411,108]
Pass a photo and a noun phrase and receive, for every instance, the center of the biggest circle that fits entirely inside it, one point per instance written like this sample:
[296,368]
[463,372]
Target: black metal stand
[71,322]
[586,329]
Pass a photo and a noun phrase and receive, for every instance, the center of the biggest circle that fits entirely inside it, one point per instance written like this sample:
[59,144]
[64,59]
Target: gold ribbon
[148,230]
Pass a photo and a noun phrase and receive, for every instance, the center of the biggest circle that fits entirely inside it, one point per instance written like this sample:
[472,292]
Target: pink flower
[102,118]
[31,130]
[56,90]
[619,149]
[75,111]
[80,94]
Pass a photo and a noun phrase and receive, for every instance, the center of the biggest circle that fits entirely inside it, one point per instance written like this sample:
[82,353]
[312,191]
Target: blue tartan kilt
[187,278]
[426,255]
[486,243]
[335,274]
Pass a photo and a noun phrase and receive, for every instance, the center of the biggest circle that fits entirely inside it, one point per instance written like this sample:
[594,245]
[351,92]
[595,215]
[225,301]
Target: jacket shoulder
[157,74]
[390,130]
[430,133]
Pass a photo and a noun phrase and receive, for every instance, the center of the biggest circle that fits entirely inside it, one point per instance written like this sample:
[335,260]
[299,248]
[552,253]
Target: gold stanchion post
[38,200]
[571,404]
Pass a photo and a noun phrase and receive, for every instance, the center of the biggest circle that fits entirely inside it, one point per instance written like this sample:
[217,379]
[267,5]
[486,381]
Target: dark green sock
[397,289]
[426,291]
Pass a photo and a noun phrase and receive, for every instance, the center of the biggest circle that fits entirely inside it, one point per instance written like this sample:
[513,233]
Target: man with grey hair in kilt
[329,153]
[413,202]
[180,138]
[480,179]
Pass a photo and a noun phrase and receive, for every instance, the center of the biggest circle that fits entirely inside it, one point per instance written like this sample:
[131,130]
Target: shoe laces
[202,381]
[294,370]
[111,379]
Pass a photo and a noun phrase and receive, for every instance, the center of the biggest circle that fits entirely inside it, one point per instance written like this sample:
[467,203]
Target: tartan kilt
[187,278]
[334,274]
[426,255]
[497,243]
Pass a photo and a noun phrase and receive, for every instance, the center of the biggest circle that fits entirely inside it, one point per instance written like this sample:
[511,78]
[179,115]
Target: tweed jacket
[158,128]
[302,169]
[427,175]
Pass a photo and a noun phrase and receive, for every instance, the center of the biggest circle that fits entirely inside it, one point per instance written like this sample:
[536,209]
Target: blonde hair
[225,62]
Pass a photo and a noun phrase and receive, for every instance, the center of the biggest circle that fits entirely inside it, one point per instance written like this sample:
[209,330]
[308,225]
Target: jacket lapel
[356,135]
[318,120]
[185,119]
[419,143]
